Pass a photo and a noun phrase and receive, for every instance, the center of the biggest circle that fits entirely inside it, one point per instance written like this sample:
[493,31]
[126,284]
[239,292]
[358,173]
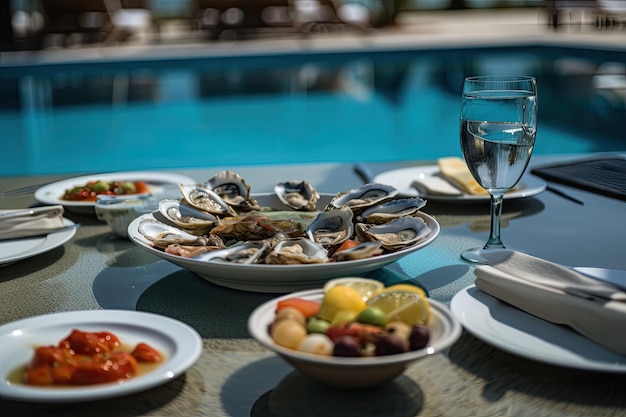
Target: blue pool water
[347,107]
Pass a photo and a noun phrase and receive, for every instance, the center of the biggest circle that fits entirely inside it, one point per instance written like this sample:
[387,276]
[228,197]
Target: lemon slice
[365,286]
[411,307]
[405,287]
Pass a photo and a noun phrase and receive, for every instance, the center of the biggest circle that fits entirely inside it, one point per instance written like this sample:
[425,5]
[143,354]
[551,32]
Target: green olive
[317,325]
[372,315]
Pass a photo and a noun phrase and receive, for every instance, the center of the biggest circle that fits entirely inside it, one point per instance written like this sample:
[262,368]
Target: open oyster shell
[331,227]
[297,251]
[382,213]
[396,234]
[233,189]
[299,195]
[162,235]
[361,251]
[244,253]
[365,196]
[205,199]
[187,217]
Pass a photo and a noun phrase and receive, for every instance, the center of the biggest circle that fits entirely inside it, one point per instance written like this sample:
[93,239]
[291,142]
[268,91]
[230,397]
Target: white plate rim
[185,342]
[402,178]
[477,318]
[50,193]
[45,243]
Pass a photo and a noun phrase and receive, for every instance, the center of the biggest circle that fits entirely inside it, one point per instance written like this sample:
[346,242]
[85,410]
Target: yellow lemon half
[340,298]
[367,287]
[411,307]
[405,287]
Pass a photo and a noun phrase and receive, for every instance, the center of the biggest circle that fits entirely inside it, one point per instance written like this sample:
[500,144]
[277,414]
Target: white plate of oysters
[283,241]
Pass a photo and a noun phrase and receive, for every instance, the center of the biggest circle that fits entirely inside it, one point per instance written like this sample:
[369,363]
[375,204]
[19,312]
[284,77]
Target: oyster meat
[255,227]
[162,235]
[244,253]
[299,195]
[361,251]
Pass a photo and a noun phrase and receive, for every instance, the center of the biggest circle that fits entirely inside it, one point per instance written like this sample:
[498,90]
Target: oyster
[244,253]
[382,213]
[396,234]
[297,251]
[331,227]
[361,251]
[255,227]
[233,190]
[162,235]
[189,218]
[299,195]
[205,199]
[366,195]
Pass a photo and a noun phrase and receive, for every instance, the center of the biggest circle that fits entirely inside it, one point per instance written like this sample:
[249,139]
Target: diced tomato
[348,244]
[88,343]
[105,368]
[142,187]
[40,376]
[309,308]
[146,353]
[360,331]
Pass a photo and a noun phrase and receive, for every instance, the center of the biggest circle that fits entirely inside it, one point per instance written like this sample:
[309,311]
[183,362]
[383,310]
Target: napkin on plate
[455,170]
[37,221]
[595,309]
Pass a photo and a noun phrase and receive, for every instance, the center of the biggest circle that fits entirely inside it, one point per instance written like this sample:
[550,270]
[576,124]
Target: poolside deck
[427,29]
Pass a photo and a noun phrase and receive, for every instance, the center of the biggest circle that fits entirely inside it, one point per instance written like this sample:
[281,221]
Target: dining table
[236,376]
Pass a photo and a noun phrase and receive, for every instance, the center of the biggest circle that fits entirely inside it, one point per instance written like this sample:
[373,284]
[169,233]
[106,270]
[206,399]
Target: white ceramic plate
[180,343]
[278,278]
[522,334]
[161,184]
[403,178]
[17,249]
[444,330]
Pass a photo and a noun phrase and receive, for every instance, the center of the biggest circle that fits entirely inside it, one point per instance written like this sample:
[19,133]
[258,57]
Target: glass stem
[494,241]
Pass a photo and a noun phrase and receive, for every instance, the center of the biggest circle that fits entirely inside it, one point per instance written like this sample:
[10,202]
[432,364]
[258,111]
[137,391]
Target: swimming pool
[290,108]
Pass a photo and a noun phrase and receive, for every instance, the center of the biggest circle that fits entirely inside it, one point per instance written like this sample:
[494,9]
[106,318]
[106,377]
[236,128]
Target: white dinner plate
[14,250]
[278,278]
[402,179]
[515,331]
[162,185]
[180,344]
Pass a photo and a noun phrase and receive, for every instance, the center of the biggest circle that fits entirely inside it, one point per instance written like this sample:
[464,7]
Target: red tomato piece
[40,376]
[309,308]
[90,342]
[146,353]
[105,368]
[50,355]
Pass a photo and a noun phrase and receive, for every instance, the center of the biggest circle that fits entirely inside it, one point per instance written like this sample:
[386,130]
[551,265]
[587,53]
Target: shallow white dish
[444,330]
[278,278]
[403,178]
[14,250]
[161,184]
[522,334]
[180,343]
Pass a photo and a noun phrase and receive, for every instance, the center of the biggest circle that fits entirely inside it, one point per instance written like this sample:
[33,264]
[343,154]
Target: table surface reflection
[236,377]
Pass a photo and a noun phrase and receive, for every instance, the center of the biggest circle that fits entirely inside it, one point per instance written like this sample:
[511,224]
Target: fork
[21,191]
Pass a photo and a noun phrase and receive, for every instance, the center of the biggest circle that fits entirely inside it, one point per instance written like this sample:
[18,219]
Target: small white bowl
[119,211]
[353,372]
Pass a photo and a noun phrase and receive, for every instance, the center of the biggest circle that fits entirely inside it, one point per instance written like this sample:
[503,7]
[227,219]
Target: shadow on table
[505,373]
[130,405]
[296,394]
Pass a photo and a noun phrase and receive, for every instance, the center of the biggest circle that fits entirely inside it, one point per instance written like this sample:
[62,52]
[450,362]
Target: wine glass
[498,128]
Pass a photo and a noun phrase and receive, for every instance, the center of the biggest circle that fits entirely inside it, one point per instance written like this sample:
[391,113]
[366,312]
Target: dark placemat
[605,175]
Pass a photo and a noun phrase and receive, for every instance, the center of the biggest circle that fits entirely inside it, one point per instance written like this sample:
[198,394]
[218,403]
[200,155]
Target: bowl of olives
[341,340]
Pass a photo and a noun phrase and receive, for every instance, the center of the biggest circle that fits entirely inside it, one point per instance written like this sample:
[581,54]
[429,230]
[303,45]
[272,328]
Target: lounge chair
[562,12]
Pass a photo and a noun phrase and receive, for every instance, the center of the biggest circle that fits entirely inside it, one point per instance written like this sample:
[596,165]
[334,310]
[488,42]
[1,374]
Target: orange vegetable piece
[309,308]
[146,353]
[348,244]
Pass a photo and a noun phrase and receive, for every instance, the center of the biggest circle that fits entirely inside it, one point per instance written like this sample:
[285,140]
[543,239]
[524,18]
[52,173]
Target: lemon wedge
[411,307]
[367,287]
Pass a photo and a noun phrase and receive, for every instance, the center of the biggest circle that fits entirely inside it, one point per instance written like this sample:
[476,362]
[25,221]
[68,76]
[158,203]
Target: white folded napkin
[18,223]
[595,309]
[435,185]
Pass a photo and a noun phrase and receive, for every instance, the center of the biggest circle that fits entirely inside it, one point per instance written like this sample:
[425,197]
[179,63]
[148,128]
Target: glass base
[475,255]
